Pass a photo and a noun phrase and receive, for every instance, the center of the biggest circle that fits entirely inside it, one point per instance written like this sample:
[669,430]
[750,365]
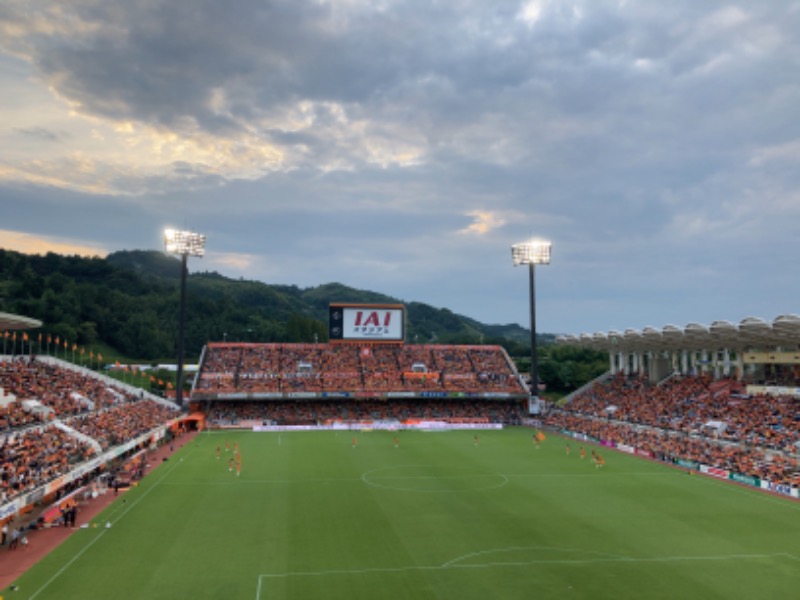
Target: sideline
[44,541]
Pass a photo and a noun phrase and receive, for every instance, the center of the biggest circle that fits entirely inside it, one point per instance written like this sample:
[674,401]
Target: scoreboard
[366,322]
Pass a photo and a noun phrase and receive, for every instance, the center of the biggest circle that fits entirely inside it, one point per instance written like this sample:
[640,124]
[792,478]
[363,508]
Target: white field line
[457,563]
[129,506]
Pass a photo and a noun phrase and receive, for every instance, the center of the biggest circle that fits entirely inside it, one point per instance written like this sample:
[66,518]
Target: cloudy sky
[403,146]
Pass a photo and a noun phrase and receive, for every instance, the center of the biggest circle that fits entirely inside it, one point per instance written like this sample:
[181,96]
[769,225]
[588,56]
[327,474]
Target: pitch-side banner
[367,322]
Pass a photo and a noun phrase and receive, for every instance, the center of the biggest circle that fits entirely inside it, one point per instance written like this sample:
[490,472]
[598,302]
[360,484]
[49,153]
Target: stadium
[367,466]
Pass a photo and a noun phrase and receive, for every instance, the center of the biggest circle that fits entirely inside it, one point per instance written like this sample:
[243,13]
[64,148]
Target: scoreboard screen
[366,322]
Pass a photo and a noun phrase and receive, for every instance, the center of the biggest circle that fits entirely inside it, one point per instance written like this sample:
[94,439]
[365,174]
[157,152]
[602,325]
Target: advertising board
[366,322]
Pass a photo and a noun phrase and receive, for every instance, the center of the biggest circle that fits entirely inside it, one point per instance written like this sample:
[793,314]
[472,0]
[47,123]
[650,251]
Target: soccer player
[230,464]
[475,440]
[238,463]
[568,449]
[600,461]
[355,441]
[583,452]
[396,442]
[219,451]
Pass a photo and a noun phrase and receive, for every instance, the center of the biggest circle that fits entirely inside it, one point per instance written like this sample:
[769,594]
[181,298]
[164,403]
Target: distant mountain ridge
[129,300]
[315,300]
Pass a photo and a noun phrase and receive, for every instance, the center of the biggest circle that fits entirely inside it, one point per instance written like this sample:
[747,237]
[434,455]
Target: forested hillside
[129,301]
[127,304]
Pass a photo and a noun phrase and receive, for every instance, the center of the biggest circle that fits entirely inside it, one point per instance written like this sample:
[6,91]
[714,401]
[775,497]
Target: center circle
[432,478]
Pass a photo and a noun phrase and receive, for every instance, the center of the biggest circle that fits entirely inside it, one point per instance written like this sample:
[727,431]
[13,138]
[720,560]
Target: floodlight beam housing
[533,252]
[184,243]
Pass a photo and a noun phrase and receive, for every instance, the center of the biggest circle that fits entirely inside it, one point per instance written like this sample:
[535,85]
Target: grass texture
[437,516]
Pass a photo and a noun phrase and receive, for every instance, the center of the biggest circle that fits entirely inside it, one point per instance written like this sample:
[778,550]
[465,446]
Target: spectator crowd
[376,369]
[692,418]
[44,409]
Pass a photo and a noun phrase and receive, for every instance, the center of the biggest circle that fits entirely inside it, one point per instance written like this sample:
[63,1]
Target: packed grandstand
[246,385]
[62,426]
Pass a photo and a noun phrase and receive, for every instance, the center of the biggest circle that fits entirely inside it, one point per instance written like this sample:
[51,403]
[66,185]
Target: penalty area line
[455,564]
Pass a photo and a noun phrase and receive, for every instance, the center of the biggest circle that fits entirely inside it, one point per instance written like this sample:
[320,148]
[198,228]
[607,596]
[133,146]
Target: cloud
[30,243]
[787,152]
[531,12]
[229,94]
[483,222]
[232,263]
[41,134]
[409,143]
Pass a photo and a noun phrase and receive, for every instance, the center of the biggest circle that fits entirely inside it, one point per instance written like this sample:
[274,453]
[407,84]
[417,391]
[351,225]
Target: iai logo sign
[370,322]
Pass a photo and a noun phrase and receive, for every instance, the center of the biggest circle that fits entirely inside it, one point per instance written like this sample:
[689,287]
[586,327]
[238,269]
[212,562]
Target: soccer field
[438,516]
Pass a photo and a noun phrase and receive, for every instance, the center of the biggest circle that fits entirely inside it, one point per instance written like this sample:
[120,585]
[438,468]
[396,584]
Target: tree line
[127,304]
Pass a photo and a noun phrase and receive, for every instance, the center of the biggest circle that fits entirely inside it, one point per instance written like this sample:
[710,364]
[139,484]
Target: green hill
[128,302]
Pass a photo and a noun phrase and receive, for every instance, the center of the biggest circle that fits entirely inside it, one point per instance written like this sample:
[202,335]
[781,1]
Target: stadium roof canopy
[751,333]
[9,322]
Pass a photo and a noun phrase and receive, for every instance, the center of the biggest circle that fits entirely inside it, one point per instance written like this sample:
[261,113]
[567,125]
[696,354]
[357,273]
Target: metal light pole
[184,244]
[531,253]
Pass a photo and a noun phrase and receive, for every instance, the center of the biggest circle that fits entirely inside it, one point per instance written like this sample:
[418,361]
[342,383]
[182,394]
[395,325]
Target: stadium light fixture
[534,252]
[184,244]
[531,253]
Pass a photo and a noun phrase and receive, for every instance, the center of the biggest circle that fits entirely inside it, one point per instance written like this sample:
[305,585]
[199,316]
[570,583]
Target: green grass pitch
[312,516]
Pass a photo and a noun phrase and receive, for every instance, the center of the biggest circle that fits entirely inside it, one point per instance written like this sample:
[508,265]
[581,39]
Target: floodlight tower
[531,253]
[184,244]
